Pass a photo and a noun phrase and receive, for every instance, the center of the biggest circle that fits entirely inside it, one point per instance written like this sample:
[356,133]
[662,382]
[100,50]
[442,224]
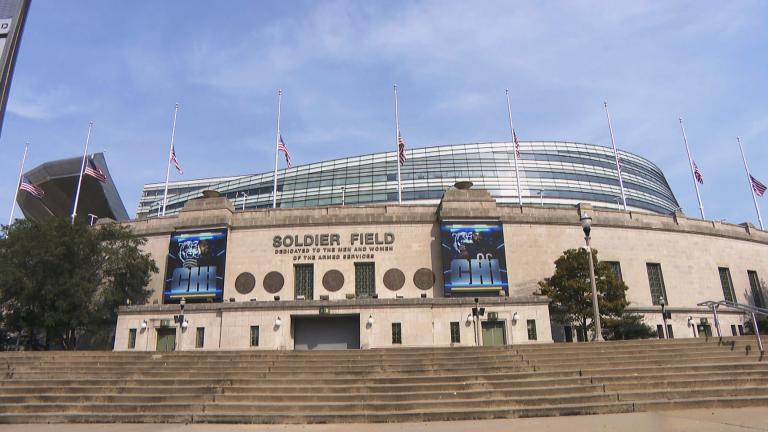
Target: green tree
[59,281]
[570,290]
[629,326]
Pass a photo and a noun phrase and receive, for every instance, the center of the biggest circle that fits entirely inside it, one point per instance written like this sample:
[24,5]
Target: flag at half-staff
[616,157]
[282,148]
[92,170]
[517,149]
[698,178]
[400,149]
[172,159]
[756,187]
[28,186]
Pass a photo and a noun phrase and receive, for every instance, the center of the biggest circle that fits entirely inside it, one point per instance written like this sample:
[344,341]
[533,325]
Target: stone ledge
[343,303]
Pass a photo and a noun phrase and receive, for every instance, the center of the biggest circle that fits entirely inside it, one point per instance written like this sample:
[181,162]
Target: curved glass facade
[551,174]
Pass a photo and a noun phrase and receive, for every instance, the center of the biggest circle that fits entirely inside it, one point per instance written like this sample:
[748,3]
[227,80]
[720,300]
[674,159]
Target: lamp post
[586,225]
[245,197]
[93,218]
[343,190]
[663,304]
[181,320]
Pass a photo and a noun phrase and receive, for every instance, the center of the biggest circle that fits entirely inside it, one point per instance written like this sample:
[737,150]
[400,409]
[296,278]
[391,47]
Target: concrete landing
[699,420]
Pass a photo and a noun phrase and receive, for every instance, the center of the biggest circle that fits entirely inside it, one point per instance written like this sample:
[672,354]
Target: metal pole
[18,183]
[717,320]
[757,333]
[397,149]
[616,156]
[82,168]
[343,189]
[514,145]
[664,320]
[595,307]
[170,156]
[693,172]
[277,146]
[749,179]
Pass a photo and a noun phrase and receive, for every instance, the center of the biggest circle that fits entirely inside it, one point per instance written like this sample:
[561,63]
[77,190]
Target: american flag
[26,185]
[93,171]
[619,162]
[697,173]
[400,148]
[281,147]
[517,144]
[758,187]
[175,161]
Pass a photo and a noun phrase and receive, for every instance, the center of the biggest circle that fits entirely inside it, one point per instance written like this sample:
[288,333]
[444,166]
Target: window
[568,330]
[660,331]
[397,333]
[733,330]
[727,284]
[670,333]
[254,336]
[131,338]
[455,332]
[656,282]
[754,285]
[200,337]
[531,329]
[304,280]
[615,267]
[741,330]
[365,279]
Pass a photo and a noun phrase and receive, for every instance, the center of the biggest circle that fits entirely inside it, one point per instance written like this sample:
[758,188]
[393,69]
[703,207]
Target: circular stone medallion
[245,282]
[424,278]
[273,282]
[394,279]
[333,280]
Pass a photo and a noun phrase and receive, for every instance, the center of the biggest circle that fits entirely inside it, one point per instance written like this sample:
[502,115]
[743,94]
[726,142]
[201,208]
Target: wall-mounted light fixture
[515,317]
[144,324]
[690,320]
[278,322]
[185,324]
[469,319]
[370,319]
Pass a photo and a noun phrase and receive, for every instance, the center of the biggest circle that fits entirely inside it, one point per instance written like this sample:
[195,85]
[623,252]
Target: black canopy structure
[58,179]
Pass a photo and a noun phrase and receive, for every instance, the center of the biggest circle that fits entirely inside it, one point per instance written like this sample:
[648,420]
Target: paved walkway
[701,420]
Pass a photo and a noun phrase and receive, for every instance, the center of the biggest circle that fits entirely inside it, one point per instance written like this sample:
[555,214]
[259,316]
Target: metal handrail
[747,309]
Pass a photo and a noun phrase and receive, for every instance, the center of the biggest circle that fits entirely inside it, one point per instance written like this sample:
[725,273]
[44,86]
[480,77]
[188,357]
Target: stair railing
[747,309]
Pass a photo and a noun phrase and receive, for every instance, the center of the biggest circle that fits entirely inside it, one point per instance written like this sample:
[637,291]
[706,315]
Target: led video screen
[195,268]
[473,259]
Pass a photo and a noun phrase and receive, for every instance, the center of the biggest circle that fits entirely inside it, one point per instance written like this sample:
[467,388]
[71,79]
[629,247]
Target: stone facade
[690,251]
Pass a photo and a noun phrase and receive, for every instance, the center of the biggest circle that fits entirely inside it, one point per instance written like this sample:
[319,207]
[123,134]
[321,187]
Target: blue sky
[124,65]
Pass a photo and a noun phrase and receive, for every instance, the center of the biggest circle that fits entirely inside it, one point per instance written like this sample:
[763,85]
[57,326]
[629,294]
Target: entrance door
[326,332]
[493,333]
[166,339]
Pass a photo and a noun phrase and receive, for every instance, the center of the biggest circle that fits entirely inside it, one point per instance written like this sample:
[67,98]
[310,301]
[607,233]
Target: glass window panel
[656,282]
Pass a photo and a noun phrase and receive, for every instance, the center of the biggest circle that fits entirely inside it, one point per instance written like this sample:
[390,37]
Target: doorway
[166,339]
[326,332]
[493,333]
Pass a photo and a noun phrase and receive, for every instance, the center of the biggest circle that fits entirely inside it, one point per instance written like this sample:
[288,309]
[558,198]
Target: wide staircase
[392,385]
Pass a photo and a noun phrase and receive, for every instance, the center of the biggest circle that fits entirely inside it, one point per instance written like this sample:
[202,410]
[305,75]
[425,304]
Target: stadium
[334,268]
[551,174]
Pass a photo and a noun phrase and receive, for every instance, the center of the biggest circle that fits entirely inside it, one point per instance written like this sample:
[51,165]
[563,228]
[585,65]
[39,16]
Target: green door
[493,333]
[166,339]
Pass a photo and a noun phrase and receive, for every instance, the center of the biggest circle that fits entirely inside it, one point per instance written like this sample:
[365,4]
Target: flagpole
[170,156]
[82,168]
[21,173]
[397,149]
[693,172]
[616,156]
[277,145]
[749,179]
[514,145]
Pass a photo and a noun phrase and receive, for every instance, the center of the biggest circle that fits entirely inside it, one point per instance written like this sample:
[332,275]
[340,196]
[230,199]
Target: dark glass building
[552,173]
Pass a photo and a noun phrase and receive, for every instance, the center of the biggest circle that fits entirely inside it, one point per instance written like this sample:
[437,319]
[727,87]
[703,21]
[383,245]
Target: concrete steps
[418,384]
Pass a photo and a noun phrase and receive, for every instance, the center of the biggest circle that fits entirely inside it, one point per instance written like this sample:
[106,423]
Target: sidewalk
[703,420]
